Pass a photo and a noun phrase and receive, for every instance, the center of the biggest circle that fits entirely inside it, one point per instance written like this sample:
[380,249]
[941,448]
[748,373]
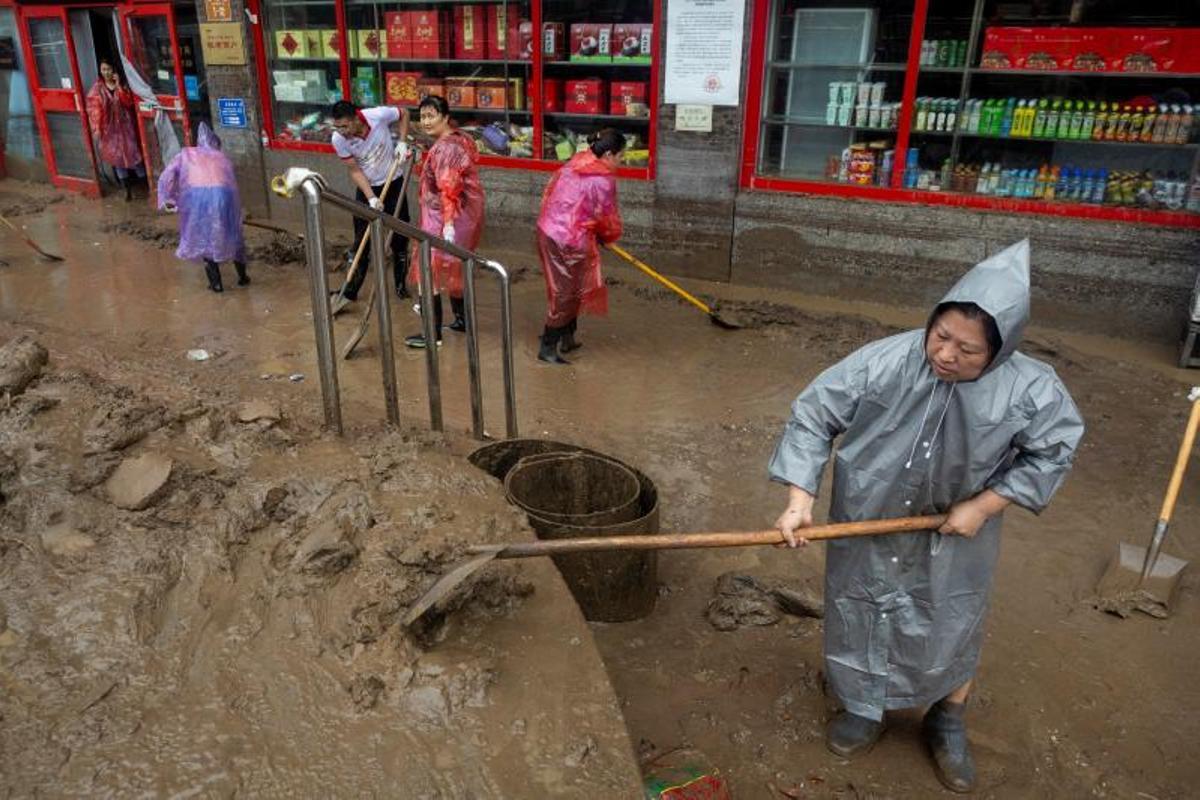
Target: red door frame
[752,121]
[54,99]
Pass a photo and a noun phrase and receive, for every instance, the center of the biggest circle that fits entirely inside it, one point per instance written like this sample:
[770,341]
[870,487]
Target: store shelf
[1100,142]
[498,62]
[1186,76]
[881,67]
[278,62]
[625,64]
[609,117]
[943,70]
[803,122]
[510,112]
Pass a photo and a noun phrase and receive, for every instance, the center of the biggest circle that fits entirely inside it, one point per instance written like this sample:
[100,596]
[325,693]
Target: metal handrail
[314,190]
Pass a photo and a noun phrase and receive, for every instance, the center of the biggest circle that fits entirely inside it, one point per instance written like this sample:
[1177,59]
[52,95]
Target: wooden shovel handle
[1185,452]
[679,541]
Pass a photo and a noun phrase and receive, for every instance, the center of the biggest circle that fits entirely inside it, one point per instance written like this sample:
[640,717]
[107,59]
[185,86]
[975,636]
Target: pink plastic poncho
[200,181]
[579,212]
[111,116]
[450,190]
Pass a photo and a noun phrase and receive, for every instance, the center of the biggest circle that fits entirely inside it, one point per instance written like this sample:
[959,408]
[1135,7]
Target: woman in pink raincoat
[199,183]
[111,116]
[579,213]
[451,207]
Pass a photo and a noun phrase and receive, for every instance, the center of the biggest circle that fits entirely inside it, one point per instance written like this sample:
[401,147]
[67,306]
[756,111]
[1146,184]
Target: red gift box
[591,42]
[633,41]
[398,27]
[430,86]
[400,88]
[429,34]
[1144,49]
[552,94]
[503,33]
[622,93]
[460,93]
[586,96]
[470,32]
[553,41]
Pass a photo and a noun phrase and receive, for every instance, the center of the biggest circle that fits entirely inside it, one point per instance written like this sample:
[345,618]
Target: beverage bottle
[939,116]
[1193,197]
[1031,182]
[994,179]
[1101,122]
[1052,183]
[1075,184]
[943,53]
[1187,120]
[924,60]
[1100,187]
[1064,121]
[976,117]
[1147,132]
[982,180]
[1060,188]
[952,115]
[1135,124]
[1076,121]
[1114,121]
[1027,115]
[1039,188]
[945,175]
[1089,121]
[960,56]
[1052,119]
[1010,108]
[1172,129]
[921,115]
[1039,119]
[1160,124]
[1122,132]
[1086,186]
[1001,188]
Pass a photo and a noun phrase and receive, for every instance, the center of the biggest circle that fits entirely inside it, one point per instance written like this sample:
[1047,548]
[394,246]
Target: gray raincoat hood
[904,613]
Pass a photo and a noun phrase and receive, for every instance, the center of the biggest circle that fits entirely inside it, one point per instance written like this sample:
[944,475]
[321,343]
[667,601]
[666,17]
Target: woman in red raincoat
[111,116]
[579,213]
[451,207]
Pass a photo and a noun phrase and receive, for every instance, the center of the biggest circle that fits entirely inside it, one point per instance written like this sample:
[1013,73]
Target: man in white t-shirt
[362,138]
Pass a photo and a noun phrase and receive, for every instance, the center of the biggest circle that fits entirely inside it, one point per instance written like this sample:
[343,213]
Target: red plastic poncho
[111,116]
[450,191]
[579,212]
[201,182]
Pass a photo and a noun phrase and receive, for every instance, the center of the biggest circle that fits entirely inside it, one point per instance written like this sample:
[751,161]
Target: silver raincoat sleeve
[822,412]
[1045,448]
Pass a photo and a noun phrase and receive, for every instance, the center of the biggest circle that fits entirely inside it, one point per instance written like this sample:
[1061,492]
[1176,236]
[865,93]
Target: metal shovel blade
[447,583]
[1121,590]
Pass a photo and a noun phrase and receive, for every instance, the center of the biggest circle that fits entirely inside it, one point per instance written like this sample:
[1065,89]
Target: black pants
[457,304]
[399,243]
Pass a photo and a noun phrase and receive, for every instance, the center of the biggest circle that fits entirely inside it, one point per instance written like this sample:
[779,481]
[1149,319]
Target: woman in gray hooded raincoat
[949,419]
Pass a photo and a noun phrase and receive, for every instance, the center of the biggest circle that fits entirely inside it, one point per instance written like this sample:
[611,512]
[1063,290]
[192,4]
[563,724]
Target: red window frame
[751,180]
[534,92]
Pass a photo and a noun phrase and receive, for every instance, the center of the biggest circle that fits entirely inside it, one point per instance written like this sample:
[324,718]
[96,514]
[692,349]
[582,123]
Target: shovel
[485,554]
[1143,578]
[30,242]
[713,316]
[266,226]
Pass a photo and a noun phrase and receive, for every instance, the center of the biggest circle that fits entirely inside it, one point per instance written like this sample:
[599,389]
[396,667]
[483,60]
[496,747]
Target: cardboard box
[491,93]
[429,34]
[623,93]
[516,94]
[591,42]
[398,33]
[587,96]
[1148,49]
[552,94]
[554,41]
[400,88]
[633,42]
[331,44]
[503,27]
[370,43]
[291,44]
[470,32]
[460,92]
[427,87]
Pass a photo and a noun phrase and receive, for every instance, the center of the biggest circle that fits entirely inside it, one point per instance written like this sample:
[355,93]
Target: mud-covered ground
[1071,702]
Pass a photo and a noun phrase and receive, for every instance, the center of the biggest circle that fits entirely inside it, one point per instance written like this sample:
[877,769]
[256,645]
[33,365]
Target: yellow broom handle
[625,254]
[1185,452]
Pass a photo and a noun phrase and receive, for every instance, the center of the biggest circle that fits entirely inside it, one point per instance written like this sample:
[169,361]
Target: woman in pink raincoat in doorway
[110,106]
[452,205]
[579,213]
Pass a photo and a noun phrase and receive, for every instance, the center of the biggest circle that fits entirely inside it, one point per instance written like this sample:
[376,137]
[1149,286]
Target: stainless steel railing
[315,191]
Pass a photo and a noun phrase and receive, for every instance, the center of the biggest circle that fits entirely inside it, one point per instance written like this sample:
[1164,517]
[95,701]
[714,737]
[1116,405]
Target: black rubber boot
[849,735]
[569,344]
[945,732]
[459,306]
[128,184]
[548,348]
[400,273]
[213,271]
[243,278]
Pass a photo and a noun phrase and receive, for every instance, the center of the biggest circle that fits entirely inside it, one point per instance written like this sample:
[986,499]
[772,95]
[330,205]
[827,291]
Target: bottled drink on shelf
[1101,122]
[1089,121]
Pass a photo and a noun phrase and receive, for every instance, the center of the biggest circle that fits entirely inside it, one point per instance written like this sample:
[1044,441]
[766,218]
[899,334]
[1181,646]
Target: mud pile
[203,598]
[19,203]
[275,249]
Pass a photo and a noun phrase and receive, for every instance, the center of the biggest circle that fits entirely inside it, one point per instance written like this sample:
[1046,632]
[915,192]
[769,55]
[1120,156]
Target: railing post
[427,326]
[387,356]
[476,381]
[322,318]
[506,344]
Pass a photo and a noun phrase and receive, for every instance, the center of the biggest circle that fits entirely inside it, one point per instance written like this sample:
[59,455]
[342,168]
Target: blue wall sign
[232,111]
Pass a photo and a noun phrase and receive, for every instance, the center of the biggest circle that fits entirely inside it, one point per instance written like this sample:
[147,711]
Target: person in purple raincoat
[199,183]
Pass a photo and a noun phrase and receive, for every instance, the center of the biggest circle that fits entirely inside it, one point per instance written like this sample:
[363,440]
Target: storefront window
[304,68]
[1088,103]
[834,83]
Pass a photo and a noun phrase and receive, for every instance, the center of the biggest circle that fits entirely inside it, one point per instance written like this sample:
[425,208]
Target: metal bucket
[609,587]
[582,489]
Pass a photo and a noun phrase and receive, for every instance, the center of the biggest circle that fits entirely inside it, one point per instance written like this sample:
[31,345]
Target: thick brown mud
[1071,702]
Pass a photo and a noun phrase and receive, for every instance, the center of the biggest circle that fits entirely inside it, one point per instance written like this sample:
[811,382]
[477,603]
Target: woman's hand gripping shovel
[485,554]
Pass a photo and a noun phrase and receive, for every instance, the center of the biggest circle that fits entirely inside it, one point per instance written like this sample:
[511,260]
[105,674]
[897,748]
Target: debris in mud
[119,422]
[255,410]
[64,540]
[365,690]
[1124,604]
[199,354]
[138,482]
[16,204]
[149,230]
[282,249]
[579,752]
[21,362]
[742,601]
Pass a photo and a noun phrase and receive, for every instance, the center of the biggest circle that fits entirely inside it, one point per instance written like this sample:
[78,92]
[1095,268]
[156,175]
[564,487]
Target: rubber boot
[459,306]
[569,344]
[849,735]
[417,340]
[548,346]
[243,278]
[400,272]
[128,184]
[945,733]
[213,270]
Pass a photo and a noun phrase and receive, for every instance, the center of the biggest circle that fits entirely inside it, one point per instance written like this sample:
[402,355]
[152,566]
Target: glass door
[58,100]
[152,47]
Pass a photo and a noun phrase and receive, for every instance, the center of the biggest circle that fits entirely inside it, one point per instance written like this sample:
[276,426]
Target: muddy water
[1070,702]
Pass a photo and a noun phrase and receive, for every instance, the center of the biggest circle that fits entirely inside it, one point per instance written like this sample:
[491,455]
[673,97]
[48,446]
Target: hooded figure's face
[957,347]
